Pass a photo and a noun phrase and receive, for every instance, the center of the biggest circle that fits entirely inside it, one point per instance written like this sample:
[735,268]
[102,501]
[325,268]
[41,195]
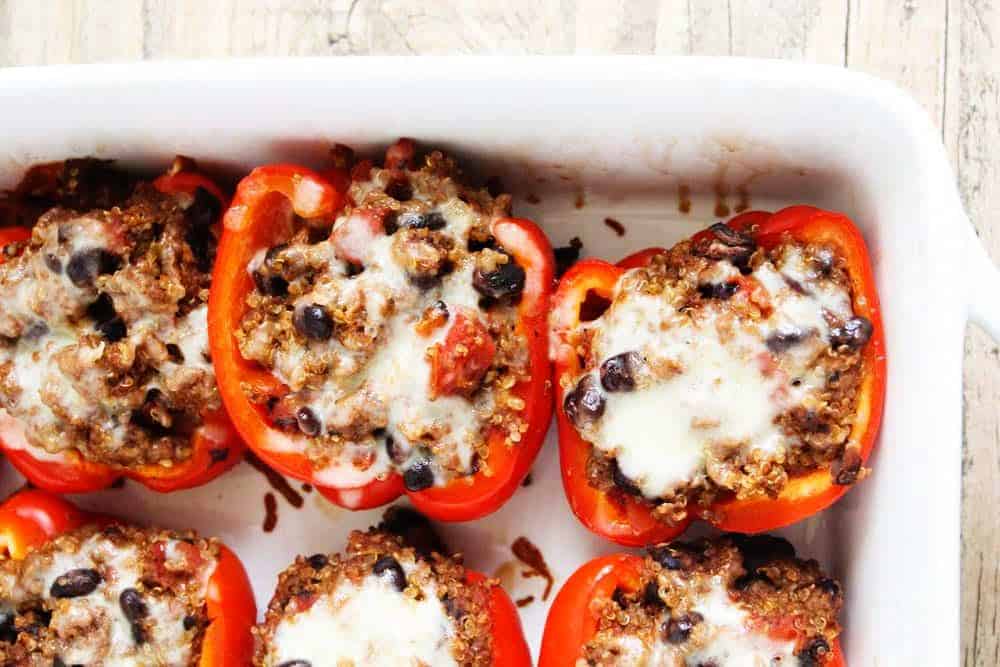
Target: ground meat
[111,594]
[696,603]
[784,310]
[352,316]
[103,343]
[381,564]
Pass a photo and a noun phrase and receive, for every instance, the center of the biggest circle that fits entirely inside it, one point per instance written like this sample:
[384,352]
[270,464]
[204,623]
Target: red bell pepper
[32,517]
[509,647]
[261,216]
[216,445]
[628,520]
[572,623]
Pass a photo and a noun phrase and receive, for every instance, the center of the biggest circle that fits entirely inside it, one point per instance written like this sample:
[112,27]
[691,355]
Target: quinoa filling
[382,602]
[728,601]
[721,369]
[394,330]
[112,595]
[103,341]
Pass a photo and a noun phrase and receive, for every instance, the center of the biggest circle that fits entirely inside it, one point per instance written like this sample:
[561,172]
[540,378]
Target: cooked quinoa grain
[394,328]
[747,361]
[103,342]
[732,600]
[381,602]
[107,595]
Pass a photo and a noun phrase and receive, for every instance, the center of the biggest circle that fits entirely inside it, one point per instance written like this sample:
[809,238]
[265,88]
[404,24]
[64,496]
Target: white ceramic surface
[624,134]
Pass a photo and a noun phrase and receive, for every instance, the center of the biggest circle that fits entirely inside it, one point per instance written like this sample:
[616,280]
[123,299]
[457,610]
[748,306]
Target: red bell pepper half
[261,216]
[572,623]
[32,517]
[627,520]
[509,647]
[216,445]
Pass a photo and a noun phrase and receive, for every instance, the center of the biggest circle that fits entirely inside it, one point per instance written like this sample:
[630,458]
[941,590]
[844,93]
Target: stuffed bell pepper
[730,601]
[388,338]
[736,378]
[104,367]
[392,598]
[83,589]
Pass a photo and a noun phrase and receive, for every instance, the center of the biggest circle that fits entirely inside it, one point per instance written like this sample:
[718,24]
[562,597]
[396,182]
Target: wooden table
[946,53]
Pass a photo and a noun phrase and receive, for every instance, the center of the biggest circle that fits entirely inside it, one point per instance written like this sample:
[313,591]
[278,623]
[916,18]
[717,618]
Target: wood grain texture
[944,52]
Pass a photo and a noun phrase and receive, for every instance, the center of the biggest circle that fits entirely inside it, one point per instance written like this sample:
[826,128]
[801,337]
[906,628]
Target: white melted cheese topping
[728,642]
[396,377]
[728,387]
[109,641]
[372,624]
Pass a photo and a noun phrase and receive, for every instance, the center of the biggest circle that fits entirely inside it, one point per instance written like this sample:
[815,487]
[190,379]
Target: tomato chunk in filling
[721,369]
[394,331]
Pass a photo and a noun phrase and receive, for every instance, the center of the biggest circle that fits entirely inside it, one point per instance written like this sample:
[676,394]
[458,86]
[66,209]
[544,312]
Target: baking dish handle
[984,286]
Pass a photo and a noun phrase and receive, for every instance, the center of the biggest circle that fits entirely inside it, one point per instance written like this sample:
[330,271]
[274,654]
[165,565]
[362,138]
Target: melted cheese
[369,624]
[725,388]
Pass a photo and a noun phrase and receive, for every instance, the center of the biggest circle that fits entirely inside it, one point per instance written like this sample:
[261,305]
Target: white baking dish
[624,133]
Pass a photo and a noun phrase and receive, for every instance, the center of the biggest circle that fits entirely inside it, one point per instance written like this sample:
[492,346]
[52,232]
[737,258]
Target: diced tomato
[459,363]
[353,238]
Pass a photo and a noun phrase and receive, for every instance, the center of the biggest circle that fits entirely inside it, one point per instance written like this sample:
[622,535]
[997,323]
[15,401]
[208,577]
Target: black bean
[398,451]
[846,469]
[307,421]
[269,284]
[760,550]
[619,597]
[666,557]
[413,220]
[102,309]
[415,529]
[784,338]
[175,353]
[720,291]
[8,633]
[313,322]
[75,583]
[677,630]
[205,210]
[852,334]
[475,245]
[132,605]
[53,263]
[399,189]
[58,662]
[113,330]
[152,412]
[452,608]
[295,663]
[85,265]
[35,330]
[389,567]
[815,653]
[617,372]
[317,561]
[584,404]
[829,586]
[622,481]
[419,476]
[651,595]
[189,622]
[506,280]
[730,236]
[823,260]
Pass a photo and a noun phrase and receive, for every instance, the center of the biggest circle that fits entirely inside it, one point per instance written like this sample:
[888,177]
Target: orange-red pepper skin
[509,646]
[216,447]
[30,518]
[627,520]
[259,217]
[571,622]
